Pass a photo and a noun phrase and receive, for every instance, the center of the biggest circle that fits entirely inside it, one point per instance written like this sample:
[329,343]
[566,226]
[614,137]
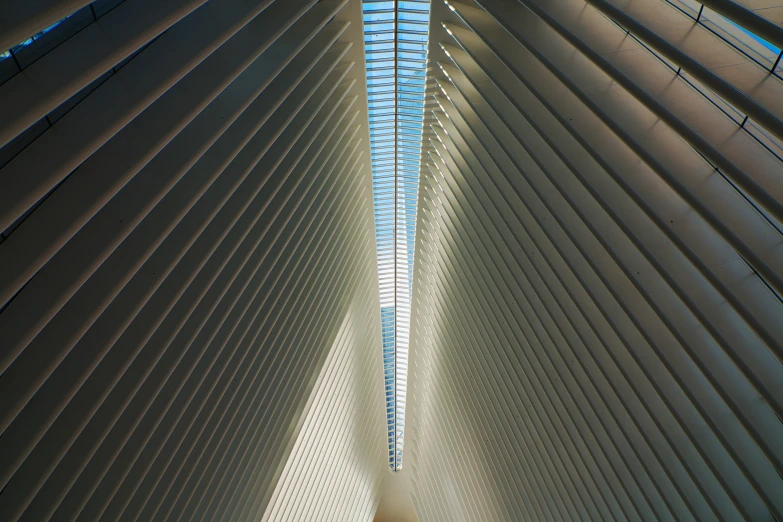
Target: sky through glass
[395,40]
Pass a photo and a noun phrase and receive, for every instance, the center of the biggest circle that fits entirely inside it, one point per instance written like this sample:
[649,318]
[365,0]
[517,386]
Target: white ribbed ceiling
[395,39]
[191,282]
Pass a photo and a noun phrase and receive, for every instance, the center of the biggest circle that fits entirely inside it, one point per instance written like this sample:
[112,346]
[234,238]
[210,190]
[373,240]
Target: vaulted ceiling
[248,248]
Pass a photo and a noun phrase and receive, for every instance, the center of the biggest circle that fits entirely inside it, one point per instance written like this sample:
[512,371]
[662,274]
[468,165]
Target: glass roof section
[4,55]
[395,42]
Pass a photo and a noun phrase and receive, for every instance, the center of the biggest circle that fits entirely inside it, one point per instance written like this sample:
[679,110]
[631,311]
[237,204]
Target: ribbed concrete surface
[189,288]
[596,322]
[335,469]
[189,310]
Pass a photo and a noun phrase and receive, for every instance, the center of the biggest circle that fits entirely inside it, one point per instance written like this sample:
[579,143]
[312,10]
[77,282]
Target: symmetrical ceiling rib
[395,40]
[188,292]
[335,466]
[597,326]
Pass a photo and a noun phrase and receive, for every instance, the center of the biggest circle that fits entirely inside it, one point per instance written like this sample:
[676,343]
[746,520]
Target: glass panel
[395,35]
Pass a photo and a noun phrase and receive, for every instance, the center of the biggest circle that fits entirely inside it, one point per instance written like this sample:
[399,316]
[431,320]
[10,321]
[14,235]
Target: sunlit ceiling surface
[395,38]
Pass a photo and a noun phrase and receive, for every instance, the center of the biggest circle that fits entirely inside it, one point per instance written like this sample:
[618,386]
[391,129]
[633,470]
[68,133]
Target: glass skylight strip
[395,37]
[9,53]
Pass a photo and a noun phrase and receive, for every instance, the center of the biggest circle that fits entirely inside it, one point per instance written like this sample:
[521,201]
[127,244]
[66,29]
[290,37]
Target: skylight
[10,52]
[395,41]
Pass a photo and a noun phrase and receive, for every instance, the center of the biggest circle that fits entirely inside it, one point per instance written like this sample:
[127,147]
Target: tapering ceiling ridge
[395,40]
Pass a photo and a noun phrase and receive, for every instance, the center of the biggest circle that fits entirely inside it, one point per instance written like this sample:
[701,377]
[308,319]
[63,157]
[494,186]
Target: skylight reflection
[395,38]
